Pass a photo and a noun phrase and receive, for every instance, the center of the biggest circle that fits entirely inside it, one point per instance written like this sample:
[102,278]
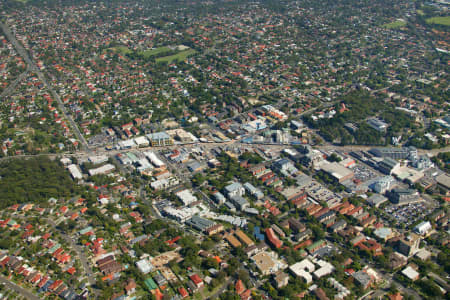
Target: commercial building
[337,171]
[410,245]
[408,175]
[194,166]
[255,192]
[383,184]
[159,139]
[151,156]
[394,153]
[99,159]
[108,168]
[127,144]
[388,165]
[422,162]
[443,180]
[164,183]
[234,189]
[141,141]
[144,266]
[404,196]
[294,194]
[410,273]
[239,202]
[285,166]
[186,197]
[376,200]
[377,124]
[75,172]
[423,228]
[204,225]
[218,197]
[180,214]
[199,223]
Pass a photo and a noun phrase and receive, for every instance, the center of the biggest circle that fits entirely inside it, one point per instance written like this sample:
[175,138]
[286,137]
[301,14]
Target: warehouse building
[337,171]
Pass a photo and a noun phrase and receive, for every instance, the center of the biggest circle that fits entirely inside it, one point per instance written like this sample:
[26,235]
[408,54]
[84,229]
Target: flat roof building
[423,228]
[240,202]
[376,200]
[337,171]
[144,266]
[404,196]
[410,273]
[160,139]
[443,180]
[75,172]
[268,262]
[199,223]
[377,124]
[234,189]
[388,165]
[186,197]
[108,168]
[394,153]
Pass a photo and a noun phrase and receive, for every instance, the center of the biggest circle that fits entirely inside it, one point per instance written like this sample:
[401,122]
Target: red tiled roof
[196,279]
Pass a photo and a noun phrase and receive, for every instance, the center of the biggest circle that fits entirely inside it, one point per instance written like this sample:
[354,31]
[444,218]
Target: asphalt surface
[27,294]
[13,85]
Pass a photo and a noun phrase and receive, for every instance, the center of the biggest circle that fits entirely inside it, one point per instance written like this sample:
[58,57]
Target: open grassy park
[179,56]
[439,20]
[154,52]
[395,24]
[162,54]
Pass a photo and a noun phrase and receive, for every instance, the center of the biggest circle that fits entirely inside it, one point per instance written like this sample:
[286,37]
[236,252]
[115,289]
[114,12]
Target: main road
[12,87]
[103,151]
[32,67]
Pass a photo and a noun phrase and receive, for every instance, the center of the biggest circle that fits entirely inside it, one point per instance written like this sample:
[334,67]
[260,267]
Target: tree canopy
[33,180]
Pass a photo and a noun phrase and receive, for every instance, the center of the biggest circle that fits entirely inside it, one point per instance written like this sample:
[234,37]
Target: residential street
[18,289]
[32,67]
[84,261]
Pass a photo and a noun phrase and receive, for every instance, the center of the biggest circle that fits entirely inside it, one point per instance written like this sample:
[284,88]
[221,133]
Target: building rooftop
[199,223]
[158,136]
[410,273]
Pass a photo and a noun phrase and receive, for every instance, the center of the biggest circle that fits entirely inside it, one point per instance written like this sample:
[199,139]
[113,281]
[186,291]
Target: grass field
[179,56]
[121,49]
[439,20]
[153,52]
[395,24]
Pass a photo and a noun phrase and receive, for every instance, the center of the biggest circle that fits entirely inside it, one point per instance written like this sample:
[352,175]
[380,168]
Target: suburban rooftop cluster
[224,150]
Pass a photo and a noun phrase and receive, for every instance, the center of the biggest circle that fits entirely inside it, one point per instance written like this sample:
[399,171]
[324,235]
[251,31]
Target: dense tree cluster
[33,180]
